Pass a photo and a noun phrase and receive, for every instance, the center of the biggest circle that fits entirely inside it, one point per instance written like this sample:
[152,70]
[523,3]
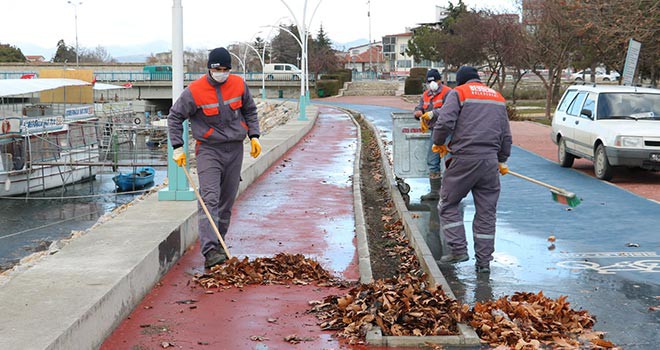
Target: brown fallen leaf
[602,343]
[166,344]
[272,320]
[654,308]
[552,239]
[258,338]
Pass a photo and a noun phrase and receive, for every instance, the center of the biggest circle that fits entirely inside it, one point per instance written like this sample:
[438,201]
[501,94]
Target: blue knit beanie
[466,73]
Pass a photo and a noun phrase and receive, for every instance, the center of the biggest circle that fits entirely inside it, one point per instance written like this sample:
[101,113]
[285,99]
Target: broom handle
[208,215]
[536,181]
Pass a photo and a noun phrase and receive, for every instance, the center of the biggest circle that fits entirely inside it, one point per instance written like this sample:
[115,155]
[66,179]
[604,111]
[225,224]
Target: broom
[559,195]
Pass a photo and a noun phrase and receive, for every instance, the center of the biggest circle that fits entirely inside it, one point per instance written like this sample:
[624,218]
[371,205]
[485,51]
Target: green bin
[321,92]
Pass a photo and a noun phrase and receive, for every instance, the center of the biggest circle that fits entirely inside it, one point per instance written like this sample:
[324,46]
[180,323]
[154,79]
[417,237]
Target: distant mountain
[348,45]
[134,53]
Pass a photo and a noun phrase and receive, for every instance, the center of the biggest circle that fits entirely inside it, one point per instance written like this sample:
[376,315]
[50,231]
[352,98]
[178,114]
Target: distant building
[532,10]
[35,58]
[364,58]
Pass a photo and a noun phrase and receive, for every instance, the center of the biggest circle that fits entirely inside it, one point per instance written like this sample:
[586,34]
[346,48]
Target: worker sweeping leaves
[431,99]
[475,117]
[221,113]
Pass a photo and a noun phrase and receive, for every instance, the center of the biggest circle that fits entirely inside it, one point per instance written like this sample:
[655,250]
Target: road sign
[631,61]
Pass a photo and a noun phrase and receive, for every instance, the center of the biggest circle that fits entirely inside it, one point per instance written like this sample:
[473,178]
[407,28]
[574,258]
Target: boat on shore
[40,126]
[137,180]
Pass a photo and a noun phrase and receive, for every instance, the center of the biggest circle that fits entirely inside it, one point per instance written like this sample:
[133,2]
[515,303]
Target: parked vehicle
[281,71]
[601,75]
[609,125]
[157,72]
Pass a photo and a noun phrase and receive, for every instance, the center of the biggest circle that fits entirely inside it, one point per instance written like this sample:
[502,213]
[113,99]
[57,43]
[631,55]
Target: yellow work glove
[256,147]
[427,116]
[423,125]
[442,150]
[179,156]
[504,169]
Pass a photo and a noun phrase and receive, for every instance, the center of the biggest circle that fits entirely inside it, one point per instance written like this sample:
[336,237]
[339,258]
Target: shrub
[335,76]
[413,86]
[346,73]
[418,72]
[327,87]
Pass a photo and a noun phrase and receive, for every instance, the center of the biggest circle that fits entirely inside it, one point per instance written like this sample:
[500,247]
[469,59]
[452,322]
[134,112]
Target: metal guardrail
[138,76]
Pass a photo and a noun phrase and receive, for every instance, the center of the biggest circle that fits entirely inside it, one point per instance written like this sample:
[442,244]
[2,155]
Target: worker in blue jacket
[475,117]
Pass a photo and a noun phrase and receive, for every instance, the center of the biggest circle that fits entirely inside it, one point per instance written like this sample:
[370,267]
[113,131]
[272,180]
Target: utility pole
[369,15]
[75,16]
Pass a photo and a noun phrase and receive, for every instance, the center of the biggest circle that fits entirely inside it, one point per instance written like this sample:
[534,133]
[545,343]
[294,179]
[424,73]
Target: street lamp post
[75,16]
[263,67]
[302,30]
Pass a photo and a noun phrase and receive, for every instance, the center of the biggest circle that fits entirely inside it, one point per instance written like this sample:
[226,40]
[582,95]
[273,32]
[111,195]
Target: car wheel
[578,79]
[602,166]
[606,79]
[270,77]
[565,159]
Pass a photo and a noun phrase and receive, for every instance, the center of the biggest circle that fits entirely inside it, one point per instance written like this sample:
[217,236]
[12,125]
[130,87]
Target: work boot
[435,179]
[213,257]
[454,258]
[482,269]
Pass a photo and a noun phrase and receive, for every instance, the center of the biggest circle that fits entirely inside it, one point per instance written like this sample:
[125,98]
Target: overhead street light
[302,30]
[75,14]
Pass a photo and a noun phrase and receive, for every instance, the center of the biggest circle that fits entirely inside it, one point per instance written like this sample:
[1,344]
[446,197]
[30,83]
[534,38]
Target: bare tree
[96,55]
[607,26]
[552,37]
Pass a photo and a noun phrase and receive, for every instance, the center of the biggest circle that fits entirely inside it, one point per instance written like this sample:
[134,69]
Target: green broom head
[564,197]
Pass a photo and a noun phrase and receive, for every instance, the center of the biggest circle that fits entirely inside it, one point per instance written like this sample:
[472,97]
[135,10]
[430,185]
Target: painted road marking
[611,255]
[644,266]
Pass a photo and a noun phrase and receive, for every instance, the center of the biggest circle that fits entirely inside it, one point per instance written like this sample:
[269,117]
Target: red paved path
[302,204]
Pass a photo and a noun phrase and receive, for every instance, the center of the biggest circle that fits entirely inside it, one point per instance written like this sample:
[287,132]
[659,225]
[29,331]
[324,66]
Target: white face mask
[433,86]
[220,77]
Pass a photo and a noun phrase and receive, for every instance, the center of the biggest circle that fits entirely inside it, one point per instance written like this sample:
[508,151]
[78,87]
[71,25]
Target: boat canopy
[14,87]
[102,87]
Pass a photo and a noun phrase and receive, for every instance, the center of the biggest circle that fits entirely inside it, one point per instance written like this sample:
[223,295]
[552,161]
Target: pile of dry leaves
[281,269]
[528,321]
[399,306]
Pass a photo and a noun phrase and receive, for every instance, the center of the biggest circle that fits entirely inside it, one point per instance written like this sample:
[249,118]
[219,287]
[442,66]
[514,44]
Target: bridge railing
[126,76]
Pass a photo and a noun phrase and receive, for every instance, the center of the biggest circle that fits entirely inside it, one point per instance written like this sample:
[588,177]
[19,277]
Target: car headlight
[629,141]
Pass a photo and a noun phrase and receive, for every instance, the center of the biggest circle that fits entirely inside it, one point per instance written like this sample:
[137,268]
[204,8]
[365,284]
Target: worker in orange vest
[431,99]
[475,117]
[221,112]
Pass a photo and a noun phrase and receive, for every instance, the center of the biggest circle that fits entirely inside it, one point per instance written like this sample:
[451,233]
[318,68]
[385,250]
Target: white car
[609,125]
[585,75]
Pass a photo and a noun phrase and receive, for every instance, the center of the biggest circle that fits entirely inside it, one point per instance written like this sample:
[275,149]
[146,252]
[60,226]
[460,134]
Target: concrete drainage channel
[467,336]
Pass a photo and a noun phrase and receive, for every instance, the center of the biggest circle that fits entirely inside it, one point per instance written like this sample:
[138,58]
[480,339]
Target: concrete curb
[467,336]
[364,258]
[75,298]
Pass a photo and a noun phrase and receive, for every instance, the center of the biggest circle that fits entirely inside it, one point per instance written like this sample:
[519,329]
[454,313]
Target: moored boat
[43,141]
[136,180]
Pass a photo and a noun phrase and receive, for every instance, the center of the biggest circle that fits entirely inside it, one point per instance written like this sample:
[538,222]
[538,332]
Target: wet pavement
[604,257]
[301,204]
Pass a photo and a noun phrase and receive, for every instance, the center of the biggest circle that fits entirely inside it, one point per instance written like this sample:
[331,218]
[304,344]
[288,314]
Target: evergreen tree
[64,53]
[10,53]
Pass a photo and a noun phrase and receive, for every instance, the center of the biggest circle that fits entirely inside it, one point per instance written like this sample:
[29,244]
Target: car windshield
[629,106]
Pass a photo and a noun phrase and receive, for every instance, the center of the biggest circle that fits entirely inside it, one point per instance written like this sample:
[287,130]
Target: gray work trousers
[219,171]
[482,178]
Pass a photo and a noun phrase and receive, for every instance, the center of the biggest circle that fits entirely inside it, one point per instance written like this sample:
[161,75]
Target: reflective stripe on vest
[437,99]
[477,92]
[206,97]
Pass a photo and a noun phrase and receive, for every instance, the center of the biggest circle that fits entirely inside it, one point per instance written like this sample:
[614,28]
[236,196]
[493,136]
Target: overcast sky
[206,23]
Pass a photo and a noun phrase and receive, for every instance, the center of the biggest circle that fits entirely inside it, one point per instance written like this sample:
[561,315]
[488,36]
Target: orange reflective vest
[478,92]
[206,97]
[435,99]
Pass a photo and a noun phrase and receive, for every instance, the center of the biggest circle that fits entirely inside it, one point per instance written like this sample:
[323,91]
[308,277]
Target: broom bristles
[567,198]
